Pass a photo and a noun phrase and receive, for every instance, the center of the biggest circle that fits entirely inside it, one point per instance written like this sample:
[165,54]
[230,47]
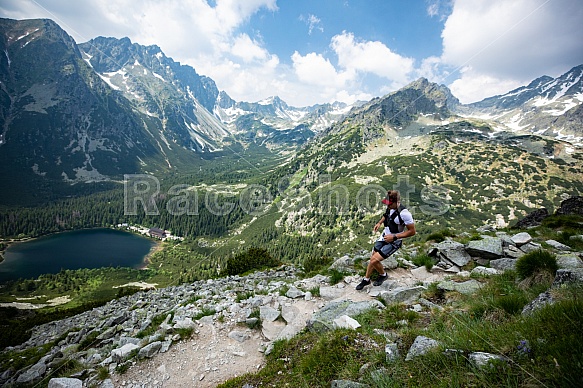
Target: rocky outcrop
[570,206]
[573,205]
[532,219]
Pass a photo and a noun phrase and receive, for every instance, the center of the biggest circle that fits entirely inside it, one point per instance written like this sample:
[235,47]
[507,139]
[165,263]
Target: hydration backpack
[390,220]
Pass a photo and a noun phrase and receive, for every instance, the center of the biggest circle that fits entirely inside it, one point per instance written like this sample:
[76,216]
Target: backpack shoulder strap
[397,213]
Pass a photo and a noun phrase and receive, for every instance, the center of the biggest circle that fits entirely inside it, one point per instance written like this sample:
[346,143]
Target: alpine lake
[88,248]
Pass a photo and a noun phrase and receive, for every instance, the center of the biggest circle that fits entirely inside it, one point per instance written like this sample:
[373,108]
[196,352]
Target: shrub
[534,262]
[253,258]
[336,276]
[423,260]
[573,221]
[315,264]
[439,236]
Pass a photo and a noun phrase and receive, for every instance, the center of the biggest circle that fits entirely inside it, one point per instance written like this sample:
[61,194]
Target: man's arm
[378,224]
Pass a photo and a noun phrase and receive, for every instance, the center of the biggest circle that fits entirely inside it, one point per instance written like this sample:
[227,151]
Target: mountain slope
[547,106]
[451,171]
[275,123]
[161,88]
[59,120]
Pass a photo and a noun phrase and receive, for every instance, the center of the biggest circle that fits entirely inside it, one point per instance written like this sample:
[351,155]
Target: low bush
[536,261]
[252,259]
[423,261]
[439,236]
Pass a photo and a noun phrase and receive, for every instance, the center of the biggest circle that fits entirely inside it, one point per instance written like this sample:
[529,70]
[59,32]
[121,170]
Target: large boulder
[454,252]
[487,248]
[521,238]
[532,219]
[467,288]
[323,320]
[402,294]
[573,205]
[121,354]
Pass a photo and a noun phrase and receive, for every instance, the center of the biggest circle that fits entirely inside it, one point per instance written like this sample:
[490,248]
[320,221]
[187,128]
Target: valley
[112,132]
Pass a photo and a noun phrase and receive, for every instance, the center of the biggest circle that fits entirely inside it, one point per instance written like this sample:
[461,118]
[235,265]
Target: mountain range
[94,111]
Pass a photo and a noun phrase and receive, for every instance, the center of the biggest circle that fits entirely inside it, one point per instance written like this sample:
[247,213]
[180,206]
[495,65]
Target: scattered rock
[558,245]
[421,346]
[484,361]
[65,382]
[488,248]
[468,287]
[521,238]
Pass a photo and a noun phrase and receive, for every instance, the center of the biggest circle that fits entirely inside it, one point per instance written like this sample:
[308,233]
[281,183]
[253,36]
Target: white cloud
[313,22]
[473,86]
[316,70]
[502,44]
[371,57]
[247,49]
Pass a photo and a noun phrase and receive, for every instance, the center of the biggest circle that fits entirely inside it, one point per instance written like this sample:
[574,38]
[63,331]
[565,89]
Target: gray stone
[129,340]
[568,276]
[421,346]
[267,313]
[487,248]
[483,360]
[239,336]
[107,383]
[186,323]
[391,352]
[569,261]
[330,292]
[402,294]
[530,247]
[121,354]
[558,245]
[65,382]
[457,256]
[345,322]
[165,346]
[521,238]
[467,288]
[33,374]
[513,252]
[323,320]
[537,303]
[289,313]
[294,293]
[504,264]
[150,350]
[343,263]
[483,271]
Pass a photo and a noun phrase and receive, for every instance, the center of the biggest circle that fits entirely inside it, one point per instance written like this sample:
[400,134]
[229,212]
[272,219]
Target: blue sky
[317,51]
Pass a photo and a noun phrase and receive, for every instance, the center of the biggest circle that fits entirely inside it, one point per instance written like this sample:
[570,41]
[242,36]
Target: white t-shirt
[407,218]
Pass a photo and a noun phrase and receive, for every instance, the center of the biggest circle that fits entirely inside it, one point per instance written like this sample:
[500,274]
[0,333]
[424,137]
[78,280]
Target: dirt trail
[211,356]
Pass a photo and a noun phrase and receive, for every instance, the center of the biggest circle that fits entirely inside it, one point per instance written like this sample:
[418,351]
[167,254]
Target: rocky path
[214,354]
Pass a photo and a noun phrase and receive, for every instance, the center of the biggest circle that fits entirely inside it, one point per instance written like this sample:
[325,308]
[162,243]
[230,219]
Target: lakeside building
[157,232]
